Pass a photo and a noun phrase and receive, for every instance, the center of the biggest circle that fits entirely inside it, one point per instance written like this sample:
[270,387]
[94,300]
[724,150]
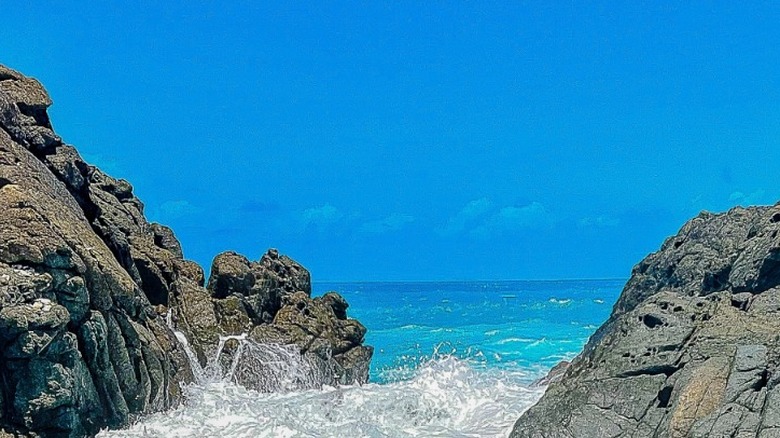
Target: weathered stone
[68,283]
[230,274]
[83,275]
[261,285]
[691,348]
[164,238]
[312,325]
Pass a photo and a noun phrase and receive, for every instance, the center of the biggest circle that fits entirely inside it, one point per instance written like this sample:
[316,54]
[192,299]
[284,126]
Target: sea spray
[269,367]
[470,380]
[446,397]
[263,367]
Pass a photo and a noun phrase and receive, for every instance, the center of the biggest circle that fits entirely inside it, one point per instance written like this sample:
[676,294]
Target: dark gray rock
[81,347]
[691,348]
[87,285]
[271,300]
[261,285]
[314,326]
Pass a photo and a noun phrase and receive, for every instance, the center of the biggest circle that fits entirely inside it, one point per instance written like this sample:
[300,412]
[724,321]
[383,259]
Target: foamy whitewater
[453,359]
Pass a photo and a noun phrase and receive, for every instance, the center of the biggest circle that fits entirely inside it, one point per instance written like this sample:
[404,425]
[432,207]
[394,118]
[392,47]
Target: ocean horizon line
[529,280]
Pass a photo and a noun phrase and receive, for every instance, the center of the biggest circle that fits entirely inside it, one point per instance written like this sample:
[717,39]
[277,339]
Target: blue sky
[417,140]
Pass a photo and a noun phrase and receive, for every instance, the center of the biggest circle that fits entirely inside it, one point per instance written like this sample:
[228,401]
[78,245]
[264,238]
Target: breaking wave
[444,397]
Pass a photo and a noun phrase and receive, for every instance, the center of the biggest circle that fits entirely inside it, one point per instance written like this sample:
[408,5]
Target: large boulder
[261,285]
[691,348]
[270,299]
[91,292]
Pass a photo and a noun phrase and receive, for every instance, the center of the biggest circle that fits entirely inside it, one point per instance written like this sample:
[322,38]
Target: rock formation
[691,348]
[86,282]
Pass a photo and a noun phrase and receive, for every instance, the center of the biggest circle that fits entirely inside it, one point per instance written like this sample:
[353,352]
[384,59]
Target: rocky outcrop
[271,300]
[86,283]
[692,347]
[82,347]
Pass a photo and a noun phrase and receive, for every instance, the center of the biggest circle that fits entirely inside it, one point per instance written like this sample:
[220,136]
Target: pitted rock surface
[692,346]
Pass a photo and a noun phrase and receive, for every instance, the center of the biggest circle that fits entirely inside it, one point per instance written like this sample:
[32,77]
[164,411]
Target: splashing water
[261,367]
[267,367]
[447,397]
[451,360]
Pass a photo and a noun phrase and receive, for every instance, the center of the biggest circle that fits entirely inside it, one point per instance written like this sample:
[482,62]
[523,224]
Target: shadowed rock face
[85,281]
[691,348]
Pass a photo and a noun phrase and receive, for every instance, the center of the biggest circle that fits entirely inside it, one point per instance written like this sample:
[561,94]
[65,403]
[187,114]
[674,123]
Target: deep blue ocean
[452,359]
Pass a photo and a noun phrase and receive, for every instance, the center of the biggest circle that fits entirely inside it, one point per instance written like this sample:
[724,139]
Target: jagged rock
[261,285]
[691,348]
[165,239]
[230,274]
[69,308]
[271,300]
[87,286]
[555,374]
[314,326]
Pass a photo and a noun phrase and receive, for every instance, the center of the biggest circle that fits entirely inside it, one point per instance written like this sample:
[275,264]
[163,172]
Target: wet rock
[312,325]
[691,347]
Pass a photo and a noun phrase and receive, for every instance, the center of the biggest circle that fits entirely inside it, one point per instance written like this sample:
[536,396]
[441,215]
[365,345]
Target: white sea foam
[445,397]
[516,340]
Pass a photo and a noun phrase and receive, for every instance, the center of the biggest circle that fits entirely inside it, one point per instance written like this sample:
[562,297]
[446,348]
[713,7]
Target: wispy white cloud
[466,216]
[512,219]
[394,222]
[319,217]
[601,221]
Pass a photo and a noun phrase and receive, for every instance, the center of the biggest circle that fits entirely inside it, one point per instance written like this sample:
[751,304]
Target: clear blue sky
[417,140]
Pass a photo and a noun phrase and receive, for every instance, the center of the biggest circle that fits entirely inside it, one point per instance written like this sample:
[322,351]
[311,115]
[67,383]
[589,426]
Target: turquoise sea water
[518,325]
[452,359]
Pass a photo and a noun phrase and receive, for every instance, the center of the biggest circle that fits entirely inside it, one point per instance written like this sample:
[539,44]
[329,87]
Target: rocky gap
[664,395]
[653,370]
[651,321]
[37,112]
[716,281]
[741,305]
[762,381]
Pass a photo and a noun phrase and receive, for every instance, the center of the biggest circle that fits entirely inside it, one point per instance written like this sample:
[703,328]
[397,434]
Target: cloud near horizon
[510,219]
[466,217]
[482,219]
[319,217]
